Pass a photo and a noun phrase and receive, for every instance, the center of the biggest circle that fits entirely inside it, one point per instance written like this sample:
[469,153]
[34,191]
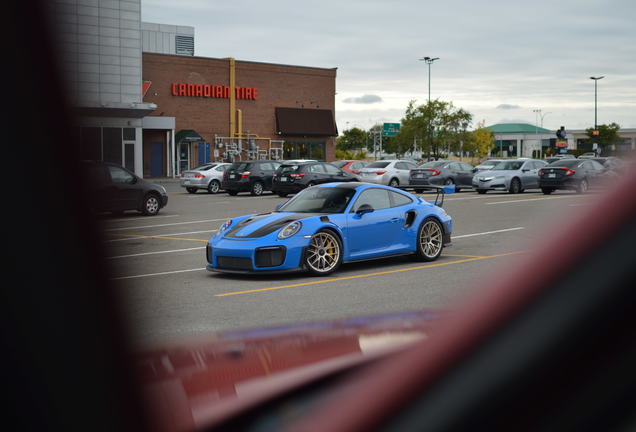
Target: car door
[126,189]
[464,174]
[318,174]
[266,173]
[595,171]
[336,174]
[529,176]
[372,234]
[402,170]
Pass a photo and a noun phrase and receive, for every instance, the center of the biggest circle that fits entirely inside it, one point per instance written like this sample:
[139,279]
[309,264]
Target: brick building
[278,111]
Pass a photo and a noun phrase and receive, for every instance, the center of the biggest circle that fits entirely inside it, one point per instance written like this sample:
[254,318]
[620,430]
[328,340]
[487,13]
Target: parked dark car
[443,173]
[576,174]
[254,177]
[350,166]
[115,190]
[292,178]
[611,164]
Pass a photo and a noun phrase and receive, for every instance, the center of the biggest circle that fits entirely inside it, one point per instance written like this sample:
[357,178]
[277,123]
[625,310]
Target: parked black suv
[249,176]
[115,189]
[291,178]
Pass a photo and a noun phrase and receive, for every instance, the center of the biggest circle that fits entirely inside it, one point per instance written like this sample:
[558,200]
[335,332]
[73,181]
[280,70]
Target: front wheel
[282,194]
[430,240]
[515,186]
[324,253]
[191,190]
[547,191]
[150,205]
[481,191]
[232,192]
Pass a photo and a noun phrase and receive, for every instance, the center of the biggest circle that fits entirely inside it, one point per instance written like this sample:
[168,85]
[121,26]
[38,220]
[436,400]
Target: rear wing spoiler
[440,190]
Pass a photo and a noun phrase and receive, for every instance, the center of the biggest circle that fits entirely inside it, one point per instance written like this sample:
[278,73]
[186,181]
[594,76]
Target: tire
[582,187]
[419,191]
[282,194]
[430,240]
[547,191]
[214,187]
[257,189]
[232,192]
[191,190]
[515,186]
[394,182]
[482,191]
[449,181]
[323,256]
[151,205]
[310,184]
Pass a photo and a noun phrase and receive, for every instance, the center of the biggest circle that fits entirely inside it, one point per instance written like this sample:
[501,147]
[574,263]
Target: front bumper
[263,255]
[498,183]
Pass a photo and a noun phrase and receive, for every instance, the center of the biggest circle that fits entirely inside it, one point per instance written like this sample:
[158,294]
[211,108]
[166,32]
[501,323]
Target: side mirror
[133,180]
[364,208]
[525,170]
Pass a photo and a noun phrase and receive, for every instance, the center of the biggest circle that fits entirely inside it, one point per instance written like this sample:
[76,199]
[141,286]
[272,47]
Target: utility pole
[429,61]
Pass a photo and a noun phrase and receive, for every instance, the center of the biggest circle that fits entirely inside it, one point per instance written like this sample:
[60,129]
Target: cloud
[507,107]
[365,99]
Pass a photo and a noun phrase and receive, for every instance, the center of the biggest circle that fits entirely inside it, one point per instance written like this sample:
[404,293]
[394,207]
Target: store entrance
[184,156]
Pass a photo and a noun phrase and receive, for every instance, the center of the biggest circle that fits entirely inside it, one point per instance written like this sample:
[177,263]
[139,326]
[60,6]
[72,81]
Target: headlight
[486,178]
[225,225]
[290,230]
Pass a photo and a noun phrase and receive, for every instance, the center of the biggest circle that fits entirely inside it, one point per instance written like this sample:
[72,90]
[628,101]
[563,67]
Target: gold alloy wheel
[431,239]
[323,253]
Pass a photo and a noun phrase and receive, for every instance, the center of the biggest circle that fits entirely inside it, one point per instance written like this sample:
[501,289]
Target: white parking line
[487,232]
[161,235]
[155,253]
[533,199]
[165,225]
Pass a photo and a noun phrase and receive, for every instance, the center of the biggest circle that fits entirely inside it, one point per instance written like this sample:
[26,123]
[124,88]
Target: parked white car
[393,172]
[207,176]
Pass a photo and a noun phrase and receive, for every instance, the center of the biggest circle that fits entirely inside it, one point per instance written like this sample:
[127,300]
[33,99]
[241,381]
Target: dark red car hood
[198,383]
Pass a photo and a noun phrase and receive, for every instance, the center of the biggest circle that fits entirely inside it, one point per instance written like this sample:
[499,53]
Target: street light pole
[429,61]
[595,93]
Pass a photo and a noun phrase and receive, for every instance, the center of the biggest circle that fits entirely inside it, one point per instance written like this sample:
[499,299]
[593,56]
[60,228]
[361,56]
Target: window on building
[184,45]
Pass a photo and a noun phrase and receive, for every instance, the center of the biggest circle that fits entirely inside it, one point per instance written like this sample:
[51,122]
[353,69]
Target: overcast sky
[499,59]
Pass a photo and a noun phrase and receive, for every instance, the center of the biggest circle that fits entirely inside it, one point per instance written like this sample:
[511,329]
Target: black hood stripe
[270,227]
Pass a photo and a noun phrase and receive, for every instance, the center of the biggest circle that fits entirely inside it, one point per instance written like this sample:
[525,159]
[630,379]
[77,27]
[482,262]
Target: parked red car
[351,166]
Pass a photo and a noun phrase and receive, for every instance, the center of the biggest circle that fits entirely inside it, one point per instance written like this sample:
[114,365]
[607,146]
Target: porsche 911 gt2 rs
[327,225]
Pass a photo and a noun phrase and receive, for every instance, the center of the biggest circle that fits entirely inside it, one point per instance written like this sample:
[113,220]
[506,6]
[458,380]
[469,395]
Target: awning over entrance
[305,122]
[187,135]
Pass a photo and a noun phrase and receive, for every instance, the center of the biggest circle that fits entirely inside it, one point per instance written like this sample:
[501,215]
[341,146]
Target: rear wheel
[257,189]
[481,191]
[547,191]
[282,194]
[191,190]
[583,186]
[394,182]
[430,240]
[214,187]
[515,186]
[232,192]
[324,253]
[310,184]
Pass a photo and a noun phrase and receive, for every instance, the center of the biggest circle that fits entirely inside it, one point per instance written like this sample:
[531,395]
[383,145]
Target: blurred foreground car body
[548,346]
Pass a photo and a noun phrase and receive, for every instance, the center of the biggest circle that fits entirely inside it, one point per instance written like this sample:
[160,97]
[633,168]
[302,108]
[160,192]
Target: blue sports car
[323,226]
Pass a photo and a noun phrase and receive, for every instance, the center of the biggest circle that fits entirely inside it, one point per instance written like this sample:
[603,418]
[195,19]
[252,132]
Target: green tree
[480,141]
[608,135]
[432,127]
[352,139]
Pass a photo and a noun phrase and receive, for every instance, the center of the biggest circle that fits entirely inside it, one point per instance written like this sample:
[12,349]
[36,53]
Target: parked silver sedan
[207,176]
[513,176]
[391,172]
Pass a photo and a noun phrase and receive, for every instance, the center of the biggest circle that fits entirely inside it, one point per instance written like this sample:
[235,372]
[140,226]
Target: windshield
[507,166]
[319,200]
[378,165]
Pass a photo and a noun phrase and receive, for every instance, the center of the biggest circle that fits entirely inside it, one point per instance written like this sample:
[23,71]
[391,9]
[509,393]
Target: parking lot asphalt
[158,263]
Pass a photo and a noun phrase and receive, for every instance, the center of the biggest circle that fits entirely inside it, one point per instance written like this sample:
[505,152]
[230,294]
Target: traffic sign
[390,129]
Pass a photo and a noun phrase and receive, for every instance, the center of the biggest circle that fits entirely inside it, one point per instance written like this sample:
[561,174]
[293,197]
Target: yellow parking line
[322,281]
[157,237]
